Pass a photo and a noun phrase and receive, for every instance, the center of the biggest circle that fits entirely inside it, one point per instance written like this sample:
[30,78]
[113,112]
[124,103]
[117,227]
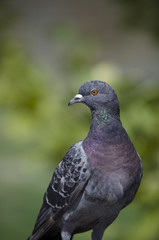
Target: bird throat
[104,123]
[103,116]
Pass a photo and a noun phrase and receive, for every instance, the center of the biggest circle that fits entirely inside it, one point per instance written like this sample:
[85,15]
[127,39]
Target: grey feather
[97,177]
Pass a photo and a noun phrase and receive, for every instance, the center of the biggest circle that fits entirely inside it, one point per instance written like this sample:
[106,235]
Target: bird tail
[56,237]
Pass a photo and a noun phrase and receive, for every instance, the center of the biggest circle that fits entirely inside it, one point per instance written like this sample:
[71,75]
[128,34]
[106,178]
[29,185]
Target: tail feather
[49,236]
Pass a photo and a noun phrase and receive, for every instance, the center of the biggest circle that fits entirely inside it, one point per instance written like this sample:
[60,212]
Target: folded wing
[68,181]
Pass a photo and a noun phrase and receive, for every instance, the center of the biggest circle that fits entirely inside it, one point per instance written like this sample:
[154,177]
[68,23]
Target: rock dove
[97,177]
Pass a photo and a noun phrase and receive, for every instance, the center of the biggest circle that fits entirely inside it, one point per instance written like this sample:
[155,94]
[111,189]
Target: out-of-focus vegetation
[141,14]
[37,128]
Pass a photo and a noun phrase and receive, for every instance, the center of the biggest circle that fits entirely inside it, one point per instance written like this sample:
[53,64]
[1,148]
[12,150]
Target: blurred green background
[47,50]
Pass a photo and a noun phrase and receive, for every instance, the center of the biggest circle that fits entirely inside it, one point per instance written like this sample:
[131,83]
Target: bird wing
[67,182]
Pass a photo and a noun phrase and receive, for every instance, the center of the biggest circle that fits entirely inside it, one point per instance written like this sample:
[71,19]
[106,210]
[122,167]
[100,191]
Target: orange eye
[94,92]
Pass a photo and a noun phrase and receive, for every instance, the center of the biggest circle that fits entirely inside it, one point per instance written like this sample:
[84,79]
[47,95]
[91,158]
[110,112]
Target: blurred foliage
[7,18]
[37,128]
[141,14]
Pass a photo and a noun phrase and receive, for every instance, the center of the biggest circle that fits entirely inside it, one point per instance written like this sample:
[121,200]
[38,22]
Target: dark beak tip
[71,102]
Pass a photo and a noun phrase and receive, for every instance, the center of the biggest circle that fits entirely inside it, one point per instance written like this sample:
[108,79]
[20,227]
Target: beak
[77,99]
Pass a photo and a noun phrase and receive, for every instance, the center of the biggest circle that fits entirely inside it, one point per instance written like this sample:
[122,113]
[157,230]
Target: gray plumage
[97,177]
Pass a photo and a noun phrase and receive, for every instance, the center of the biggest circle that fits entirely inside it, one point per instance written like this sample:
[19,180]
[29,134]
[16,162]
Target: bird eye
[94,92]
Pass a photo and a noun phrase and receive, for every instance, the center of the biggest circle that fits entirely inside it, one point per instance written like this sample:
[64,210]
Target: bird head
[97,95]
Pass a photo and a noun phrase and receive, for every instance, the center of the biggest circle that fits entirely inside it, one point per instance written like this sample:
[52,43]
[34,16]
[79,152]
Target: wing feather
[67,182]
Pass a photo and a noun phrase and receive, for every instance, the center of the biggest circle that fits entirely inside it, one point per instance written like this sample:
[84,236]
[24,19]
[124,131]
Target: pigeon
[97,177]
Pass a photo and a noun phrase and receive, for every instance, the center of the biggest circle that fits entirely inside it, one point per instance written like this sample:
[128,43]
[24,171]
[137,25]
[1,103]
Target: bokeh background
[47,50]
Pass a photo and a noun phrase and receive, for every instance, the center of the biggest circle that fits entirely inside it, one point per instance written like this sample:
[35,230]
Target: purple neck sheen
[104,124]
[104,136]
[107,145]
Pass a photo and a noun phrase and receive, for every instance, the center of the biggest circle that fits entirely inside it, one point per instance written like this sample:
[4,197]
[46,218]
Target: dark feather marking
[67,182]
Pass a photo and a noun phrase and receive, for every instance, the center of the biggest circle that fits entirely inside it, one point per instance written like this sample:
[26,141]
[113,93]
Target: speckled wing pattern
[67,183]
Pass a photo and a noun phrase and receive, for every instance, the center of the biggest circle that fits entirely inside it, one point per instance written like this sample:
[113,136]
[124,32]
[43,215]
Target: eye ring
[94,92]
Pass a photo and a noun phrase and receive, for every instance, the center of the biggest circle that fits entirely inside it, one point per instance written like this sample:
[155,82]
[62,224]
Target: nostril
[78,96]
